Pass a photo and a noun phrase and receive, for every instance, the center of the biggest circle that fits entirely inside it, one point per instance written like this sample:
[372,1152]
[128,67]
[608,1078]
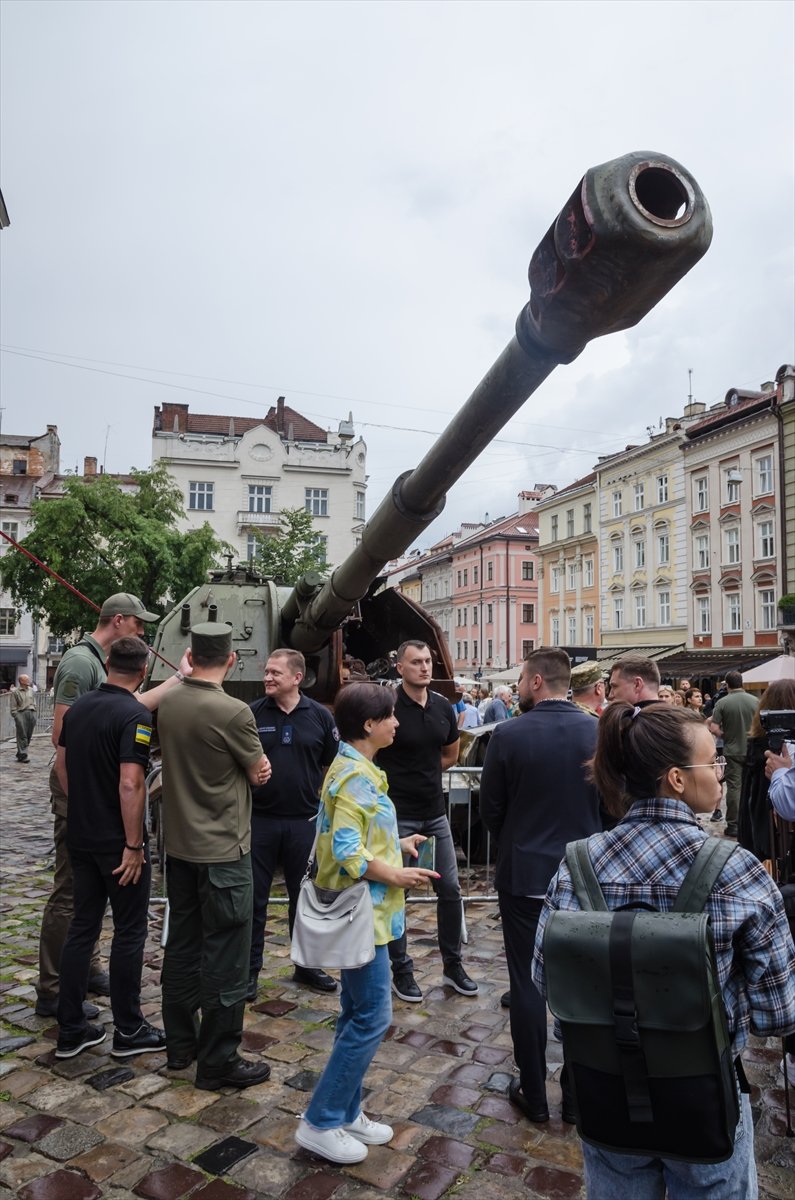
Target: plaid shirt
[645,858]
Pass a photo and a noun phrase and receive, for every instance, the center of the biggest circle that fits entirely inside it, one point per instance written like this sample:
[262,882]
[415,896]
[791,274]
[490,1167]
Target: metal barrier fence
[44,710]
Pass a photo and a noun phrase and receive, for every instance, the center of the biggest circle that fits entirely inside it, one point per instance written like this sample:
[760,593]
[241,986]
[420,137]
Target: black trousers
[520,916]
[276,840]
[94,886]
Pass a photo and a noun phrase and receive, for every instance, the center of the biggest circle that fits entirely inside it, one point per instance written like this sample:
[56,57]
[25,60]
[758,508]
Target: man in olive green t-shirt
[731,720]
[211,755]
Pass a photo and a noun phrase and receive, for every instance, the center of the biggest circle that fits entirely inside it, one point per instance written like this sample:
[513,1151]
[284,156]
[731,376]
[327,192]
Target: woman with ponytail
[657,770]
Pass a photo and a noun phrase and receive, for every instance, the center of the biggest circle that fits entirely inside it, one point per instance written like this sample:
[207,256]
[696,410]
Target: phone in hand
[427,854]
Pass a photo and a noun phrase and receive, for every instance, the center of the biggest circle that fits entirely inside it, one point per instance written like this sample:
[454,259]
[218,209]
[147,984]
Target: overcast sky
[217,203]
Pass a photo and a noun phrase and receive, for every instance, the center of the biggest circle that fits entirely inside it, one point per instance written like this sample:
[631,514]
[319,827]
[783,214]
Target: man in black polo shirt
[301,740]
[102,755]
[426,743]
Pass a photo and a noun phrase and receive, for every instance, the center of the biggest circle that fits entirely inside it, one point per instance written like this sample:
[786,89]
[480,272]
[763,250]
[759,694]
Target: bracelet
[135,849]
[179,677]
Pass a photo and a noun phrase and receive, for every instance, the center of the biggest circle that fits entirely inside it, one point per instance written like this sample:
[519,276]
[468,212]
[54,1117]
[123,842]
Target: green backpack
[644,1029]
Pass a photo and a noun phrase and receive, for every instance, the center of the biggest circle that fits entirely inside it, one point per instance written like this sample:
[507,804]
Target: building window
[638,497]
[616,504]
[489,648]
[358,507]
[554,626]
[618,612]
[586,518]
[320,543]
[571,580]
[733,546]
[553,527]
[732,487]
[664,607]
[528,572]
[663,549]
[767,608]
[8,622]
[466,577]
[587,569]
[569,522]
[458,651]
[703,621]
[702,552]
[618,558]
[458,581]
[466,649]
[554,586]
[316,501]
[527,647]
[734,616]
[572,631]
[200,496]
[466,616]
[764,474]
[12,529]
[489,571]
[474,574]
[260,498]
[252,547]
[640,554]
[589,629]
[528,613]
[475,651]
[489,613]
[766,542]
[474,614]
[702,494]
[640,610]
[662,489]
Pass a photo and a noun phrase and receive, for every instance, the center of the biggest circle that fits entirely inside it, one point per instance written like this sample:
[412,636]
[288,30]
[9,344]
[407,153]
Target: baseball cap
[124,604]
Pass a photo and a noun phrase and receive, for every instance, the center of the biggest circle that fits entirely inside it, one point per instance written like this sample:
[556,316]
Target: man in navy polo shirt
[301,740]
[426,743]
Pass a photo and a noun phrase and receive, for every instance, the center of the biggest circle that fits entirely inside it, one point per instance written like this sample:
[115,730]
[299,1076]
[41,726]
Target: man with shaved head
[23,712]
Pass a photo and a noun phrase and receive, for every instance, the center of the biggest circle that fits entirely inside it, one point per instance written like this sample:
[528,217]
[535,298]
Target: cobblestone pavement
[87,1127]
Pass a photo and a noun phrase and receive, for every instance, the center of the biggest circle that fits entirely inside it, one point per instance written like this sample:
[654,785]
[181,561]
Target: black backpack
[645,1040]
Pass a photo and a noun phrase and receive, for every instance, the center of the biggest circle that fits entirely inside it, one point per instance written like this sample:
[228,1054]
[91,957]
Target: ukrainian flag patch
[143,734]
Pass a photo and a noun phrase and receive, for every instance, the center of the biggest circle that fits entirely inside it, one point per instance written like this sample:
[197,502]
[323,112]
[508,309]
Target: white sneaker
[333,1144]
[370,1132]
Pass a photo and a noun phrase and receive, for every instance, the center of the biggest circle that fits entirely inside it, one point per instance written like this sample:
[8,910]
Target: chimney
[280,416]
[89,467]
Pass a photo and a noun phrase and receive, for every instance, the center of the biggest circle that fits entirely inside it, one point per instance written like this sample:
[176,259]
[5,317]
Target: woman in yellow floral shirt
[358,838]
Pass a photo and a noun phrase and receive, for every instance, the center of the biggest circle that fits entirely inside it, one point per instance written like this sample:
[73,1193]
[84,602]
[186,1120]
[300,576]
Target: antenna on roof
[689,385]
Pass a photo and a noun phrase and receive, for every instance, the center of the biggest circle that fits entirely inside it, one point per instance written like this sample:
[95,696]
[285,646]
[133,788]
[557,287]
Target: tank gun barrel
[632,228]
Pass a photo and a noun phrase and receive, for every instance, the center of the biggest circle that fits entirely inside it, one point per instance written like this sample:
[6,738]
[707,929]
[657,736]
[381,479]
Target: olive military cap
[585,675]
[211,639]
[124,604]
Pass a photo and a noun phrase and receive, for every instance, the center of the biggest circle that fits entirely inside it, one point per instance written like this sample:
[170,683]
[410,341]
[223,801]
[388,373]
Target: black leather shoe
[251,990]
[99,983]
[179,1062]
[319,981]
[242,1074]
[456,977]
[406,988]
[569,1116]
[537,1116]
[505,999]
[49,1008]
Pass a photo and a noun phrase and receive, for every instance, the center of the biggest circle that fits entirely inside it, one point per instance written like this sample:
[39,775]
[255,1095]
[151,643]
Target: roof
[281,419]
[727,414]
[714,662]
[570,487]
[517,525]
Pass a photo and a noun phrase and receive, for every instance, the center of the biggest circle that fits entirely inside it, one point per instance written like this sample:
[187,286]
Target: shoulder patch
[69,690]
[143,734]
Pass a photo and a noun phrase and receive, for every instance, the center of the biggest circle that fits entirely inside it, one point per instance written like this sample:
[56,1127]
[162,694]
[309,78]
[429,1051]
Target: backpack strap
[702,876]
[583,877]
[625,1020]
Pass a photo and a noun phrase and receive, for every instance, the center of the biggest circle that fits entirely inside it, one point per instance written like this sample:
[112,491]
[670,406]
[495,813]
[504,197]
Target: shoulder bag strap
[311,860]
[704,870]
[583,877]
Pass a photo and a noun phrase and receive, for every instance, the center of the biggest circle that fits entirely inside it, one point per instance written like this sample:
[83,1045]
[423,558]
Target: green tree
[104,540]
[295,549]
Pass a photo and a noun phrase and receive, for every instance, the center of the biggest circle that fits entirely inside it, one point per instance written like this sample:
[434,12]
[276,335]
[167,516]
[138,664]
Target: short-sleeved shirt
[413,763]
[734,713]
[357,823]
[299,745]
[81,669]
[104,728]
[208,739]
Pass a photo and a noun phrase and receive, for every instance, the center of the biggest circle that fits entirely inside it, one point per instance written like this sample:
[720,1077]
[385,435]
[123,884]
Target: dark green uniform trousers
[205,967]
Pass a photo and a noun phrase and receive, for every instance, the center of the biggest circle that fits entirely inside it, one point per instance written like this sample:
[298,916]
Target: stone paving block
[319,1186]
[21,1082]
[428,1180]
[19,1169]
[511,1137]
[274,1008]
[303,1081]
[446,1119]
[507,1164]
[57,1093]
[105,1159]
[168,1183]
[492,1056]
[434,1065]
[10,1113]
[219,1189]
[144,1085]
[500,1109]
[254,1042]
[455,1095]
[267,1175]
[60,1185]
[468,1074]
[221,1157]
[562,1151]
[94,1107]
[131,1175]
[277,1133]
[182,1139]
[482,1186]
[9,1044]
[383,1168]
[498,1082]
[32,1128]
[183,1101]
[447,1151]
[554,1184]
[68,1141]
[287,1052]
[233,1113]
[5,1149]
[111,1077]
[416,1038]
[452,1049]
[394,1056]
[133,1127]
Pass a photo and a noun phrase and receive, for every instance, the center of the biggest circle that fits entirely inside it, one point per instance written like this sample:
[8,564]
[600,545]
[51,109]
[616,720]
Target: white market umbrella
[782,667]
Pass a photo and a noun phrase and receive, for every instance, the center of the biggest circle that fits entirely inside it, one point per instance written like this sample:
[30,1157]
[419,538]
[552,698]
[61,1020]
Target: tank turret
[630,230]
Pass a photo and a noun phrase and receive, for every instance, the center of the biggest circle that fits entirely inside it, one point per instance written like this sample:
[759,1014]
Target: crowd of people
[250,788]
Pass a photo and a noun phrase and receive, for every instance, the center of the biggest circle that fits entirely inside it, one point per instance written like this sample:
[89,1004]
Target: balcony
[257,520]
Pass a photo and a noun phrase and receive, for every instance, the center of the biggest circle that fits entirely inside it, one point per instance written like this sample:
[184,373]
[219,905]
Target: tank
[629,231]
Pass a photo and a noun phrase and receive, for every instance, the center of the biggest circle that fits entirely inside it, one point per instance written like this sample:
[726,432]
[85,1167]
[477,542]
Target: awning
[707,663]
[13,655]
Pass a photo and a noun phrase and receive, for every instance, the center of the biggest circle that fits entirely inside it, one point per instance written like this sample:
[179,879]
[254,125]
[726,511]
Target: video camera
[779,726]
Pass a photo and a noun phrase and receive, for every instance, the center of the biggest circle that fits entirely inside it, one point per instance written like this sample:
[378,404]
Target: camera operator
[755,824]
[781,773]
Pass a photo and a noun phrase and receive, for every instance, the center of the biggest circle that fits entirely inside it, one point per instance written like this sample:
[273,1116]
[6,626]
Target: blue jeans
[366,1010]
[449,912]
[611,1176]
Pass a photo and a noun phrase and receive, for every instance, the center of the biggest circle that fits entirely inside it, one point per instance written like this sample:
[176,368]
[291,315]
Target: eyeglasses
[719,767]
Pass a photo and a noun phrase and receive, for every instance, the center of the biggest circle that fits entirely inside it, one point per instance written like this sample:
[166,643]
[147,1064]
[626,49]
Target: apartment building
[568,557]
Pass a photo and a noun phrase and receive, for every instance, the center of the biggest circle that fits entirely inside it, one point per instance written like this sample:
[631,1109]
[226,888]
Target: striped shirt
[644,859]
[356,823]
